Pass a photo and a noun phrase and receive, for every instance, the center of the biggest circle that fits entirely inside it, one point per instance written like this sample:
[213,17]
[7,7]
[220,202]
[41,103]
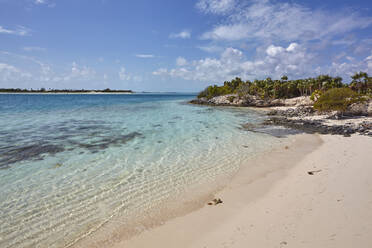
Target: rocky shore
[252,101]
[298,113]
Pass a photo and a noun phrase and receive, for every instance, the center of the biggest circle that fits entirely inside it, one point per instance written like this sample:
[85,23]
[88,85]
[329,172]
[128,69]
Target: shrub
[337,99]
[315,95]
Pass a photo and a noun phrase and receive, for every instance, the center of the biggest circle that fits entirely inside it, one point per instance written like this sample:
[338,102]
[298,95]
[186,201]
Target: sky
[183,45]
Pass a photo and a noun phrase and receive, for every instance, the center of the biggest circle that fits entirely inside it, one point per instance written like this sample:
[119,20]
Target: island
[64,91]
[321,104]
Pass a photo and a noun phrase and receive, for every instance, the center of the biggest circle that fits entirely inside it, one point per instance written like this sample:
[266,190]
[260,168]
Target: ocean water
[70,164]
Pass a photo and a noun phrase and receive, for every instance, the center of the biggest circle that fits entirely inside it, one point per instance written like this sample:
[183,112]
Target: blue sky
[168,45]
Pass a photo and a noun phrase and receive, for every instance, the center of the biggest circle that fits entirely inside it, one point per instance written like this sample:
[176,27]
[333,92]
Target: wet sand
[276,202]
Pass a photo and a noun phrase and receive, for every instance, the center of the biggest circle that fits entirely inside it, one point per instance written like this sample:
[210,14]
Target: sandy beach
[276,202]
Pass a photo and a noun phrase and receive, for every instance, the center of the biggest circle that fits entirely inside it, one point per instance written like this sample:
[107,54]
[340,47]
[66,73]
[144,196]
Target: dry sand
[285,206]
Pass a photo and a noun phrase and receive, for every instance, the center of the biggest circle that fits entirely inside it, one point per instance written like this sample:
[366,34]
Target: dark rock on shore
[293,112]
[298,114]
[317,126]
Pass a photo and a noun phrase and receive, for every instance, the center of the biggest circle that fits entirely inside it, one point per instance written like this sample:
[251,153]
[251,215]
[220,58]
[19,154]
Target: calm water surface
[70,163]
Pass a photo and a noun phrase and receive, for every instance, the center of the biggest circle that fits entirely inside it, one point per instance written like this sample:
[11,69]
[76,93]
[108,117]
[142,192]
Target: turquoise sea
[72,164]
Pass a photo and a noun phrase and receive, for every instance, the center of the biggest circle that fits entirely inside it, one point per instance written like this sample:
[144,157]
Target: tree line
[268,88]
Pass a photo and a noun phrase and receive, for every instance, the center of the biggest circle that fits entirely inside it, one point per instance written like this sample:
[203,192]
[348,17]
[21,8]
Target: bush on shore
[337,99]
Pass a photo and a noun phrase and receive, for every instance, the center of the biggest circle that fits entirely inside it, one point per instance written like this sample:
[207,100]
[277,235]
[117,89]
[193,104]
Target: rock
[313,172]
[223,100]
[277,102]
[299,101]
[283,243]
[357,109]
[215,201]
[254,101]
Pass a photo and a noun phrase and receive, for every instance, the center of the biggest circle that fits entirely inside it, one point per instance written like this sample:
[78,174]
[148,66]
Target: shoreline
[205,216]
[115,231]
[278,208]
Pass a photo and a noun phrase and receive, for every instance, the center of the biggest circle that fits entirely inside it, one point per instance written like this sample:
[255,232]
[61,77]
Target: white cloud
[185,34]
[45,2]
[273,61]
[276,61]
[160,72]
[215,6]
[20,30]
[34,49]
[12,74]
[81,71]
[145,56]
[263,20]
[123,75]
[181,61]
[227,32]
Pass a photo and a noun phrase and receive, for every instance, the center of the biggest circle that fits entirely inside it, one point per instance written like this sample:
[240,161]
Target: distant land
[43,90]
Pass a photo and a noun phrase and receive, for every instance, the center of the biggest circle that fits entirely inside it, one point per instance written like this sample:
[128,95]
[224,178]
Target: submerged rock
[28,152]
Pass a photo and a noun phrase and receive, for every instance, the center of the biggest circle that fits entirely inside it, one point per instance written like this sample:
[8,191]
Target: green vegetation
[284,88]
[337,99]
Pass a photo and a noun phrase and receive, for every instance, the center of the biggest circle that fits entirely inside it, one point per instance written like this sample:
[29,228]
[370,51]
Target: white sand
[286,207]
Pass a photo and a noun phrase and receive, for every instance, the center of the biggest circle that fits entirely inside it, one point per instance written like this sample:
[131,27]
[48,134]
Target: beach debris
[313,172]
[286,147]
[215,201]
[283,243]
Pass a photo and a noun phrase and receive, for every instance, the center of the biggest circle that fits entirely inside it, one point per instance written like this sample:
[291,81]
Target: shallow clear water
[70,163]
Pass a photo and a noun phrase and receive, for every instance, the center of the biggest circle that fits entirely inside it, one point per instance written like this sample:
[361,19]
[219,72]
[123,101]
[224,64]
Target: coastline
[67,93]
[285,206]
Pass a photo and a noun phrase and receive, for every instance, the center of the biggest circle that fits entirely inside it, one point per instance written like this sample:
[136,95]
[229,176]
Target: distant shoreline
[68,93]
[89,93]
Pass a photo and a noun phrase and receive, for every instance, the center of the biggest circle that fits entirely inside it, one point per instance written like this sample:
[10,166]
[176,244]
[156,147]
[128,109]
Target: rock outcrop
[298,113]
[252,101]
[356,109]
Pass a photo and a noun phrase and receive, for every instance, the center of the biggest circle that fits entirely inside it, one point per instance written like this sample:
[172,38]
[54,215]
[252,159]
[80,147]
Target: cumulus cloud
[185,34]
[263,20]
[276,38]
[20,30]
[293,60]
[276,60]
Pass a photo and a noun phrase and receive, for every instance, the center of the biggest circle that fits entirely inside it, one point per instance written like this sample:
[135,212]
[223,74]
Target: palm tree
[360,82]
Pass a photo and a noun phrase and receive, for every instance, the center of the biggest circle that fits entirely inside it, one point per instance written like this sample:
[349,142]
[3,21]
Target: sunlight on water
[71,162]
